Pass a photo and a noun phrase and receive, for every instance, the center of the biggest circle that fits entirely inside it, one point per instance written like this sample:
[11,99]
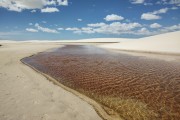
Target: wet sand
[135,87]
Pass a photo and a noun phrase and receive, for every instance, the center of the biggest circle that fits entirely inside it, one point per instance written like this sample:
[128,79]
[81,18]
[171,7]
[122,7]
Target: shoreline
[97,107]
[23,90]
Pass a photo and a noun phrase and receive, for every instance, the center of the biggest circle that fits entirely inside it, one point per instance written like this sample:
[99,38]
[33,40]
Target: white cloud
[63,2]
[60,28]
[31,30]
[169,2]
[87,30]
[155,25]
[174,1]
[33,11]
[150,16]
[118,28]
[142,31]
[163,10]
[154,15]
[137,1]
[72,29]
[96,24]
[113,17]
[171,28]
[148,4]
[43,29]
[20,5]
[113,28]
[79,20]
[52,2]
[174,8]
[49,10]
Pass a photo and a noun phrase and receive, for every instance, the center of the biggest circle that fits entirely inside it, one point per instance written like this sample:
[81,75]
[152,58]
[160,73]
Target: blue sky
[80,19]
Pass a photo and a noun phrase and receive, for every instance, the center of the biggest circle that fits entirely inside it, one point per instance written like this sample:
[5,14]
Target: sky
[82,19]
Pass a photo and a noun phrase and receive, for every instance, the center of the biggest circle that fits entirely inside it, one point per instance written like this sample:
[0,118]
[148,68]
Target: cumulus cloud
[118,28]
[176,2]
[154,15]
[142,31]
[112,28]
[79,20]
[49,10]
[171,28]
[163,10]
[72,29]
[43,29]
[150,16]
[20,5]
[137,1]
[96,24]
[33,11]
[31,30]
[63,2]
[113,17]
[60,28]
[172,2]
[155,25]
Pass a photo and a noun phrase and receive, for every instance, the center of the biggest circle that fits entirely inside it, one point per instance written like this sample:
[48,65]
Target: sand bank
[27,95]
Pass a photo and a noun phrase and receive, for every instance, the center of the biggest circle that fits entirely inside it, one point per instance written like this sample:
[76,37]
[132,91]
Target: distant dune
[104,40]
[91,40]
[163,43]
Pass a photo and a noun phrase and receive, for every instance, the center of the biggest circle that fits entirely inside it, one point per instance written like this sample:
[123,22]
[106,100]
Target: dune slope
[163,43]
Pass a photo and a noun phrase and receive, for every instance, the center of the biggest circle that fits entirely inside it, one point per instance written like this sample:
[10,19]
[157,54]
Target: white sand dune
[104,40]
[163,43]
[27,95]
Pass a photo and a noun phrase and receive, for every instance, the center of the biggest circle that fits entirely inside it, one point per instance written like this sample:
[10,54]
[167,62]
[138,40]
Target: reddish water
[95,70]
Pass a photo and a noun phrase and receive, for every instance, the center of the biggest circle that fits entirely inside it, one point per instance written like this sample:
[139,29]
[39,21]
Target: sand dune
[164,43]
[27,95]
[104,40]
[91,40]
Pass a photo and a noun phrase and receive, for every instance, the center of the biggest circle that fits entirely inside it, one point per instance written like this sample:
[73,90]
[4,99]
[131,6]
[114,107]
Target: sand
[164,43]
[27,95]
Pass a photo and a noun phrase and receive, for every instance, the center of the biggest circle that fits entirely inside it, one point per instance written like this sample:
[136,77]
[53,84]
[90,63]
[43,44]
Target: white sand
[164,43]
[27,95]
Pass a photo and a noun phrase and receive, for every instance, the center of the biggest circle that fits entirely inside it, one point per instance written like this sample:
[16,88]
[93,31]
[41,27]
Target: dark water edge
[99,74]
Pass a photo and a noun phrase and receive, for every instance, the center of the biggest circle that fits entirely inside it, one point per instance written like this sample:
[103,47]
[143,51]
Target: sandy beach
[27,95]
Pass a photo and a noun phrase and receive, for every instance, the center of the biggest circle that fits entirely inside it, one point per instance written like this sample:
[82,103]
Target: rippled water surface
[94,70]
